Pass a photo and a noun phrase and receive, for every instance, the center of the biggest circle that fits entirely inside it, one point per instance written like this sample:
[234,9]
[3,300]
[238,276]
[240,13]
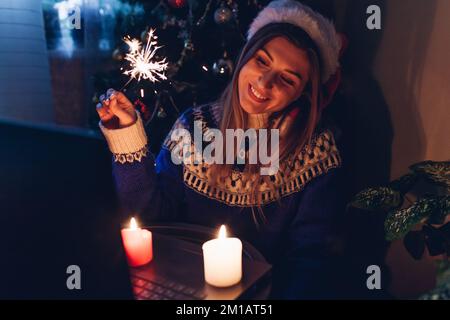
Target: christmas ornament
[177,4]
[222,15]
[223,67]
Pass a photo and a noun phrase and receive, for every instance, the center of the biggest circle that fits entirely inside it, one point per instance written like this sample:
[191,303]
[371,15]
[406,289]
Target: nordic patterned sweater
[299,231]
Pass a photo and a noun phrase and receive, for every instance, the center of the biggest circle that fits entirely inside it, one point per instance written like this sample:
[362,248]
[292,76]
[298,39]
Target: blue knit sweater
[300,230]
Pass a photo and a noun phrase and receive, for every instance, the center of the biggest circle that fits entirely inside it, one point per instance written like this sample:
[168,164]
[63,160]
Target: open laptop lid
[182,261]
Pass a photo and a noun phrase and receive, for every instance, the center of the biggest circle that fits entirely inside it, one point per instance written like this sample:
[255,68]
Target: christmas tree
[200,40]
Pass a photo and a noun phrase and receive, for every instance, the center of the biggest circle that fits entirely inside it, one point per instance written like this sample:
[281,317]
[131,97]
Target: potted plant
[416,216]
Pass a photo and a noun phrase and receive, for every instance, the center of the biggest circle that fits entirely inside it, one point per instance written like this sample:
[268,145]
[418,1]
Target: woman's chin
[251,109]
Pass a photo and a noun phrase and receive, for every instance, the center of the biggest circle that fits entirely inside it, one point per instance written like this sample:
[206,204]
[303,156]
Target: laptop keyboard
[163,289]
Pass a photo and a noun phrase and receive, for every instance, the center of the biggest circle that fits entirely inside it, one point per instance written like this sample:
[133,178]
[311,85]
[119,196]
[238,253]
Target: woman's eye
[288,81]
[261,61]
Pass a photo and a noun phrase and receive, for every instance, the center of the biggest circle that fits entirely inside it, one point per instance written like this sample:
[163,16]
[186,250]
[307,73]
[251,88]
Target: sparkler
[140,59]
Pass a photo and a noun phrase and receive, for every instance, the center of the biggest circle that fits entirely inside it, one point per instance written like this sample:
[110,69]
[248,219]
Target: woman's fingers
[99,108]
[109,92]
[108,119]
[121,110]
[122,99]
[105,97]
[103,111]
[116,104]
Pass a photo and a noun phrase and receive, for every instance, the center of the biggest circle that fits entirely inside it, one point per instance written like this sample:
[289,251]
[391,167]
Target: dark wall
[57,208]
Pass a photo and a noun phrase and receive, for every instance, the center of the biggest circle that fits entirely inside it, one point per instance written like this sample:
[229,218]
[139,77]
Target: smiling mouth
[256,95]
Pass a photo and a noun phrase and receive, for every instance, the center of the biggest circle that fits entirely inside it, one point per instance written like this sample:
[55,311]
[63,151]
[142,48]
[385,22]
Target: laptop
[176,272]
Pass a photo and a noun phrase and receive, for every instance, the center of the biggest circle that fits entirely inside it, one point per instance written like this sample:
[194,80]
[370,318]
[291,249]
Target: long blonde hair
[301,128]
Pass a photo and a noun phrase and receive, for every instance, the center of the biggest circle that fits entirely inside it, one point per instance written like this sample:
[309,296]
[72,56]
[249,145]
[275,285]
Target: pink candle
[138,244]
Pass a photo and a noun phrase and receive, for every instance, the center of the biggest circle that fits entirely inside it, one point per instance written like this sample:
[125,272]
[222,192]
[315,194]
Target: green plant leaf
[404,183]
[434,171]
[438,216]
[400,222]
[381,198]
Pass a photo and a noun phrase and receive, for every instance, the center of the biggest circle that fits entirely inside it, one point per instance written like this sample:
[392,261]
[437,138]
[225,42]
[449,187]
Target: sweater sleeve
[149,188]
[309,265]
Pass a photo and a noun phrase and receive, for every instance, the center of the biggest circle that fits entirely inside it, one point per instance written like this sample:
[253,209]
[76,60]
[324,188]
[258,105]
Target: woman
[290,215]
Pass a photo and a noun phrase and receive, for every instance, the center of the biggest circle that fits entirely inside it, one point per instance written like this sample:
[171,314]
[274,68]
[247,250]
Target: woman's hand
[115,110]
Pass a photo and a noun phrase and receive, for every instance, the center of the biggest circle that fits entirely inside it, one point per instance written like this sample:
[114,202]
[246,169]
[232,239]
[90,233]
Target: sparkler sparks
[134,44]
[140,59]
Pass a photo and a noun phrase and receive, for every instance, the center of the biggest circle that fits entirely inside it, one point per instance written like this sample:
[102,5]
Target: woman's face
[274,77]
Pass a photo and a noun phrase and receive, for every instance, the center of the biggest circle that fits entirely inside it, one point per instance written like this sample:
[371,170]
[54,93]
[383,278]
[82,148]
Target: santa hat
[320,30]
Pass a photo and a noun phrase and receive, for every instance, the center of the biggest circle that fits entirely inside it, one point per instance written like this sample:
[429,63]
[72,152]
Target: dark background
[392,108]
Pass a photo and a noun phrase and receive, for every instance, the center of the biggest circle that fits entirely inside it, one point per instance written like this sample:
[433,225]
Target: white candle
[222,259]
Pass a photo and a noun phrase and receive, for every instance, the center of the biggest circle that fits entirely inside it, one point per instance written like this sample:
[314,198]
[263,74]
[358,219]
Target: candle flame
[133,224]
[222,232]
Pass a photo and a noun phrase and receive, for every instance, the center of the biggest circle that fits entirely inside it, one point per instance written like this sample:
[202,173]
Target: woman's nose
[266,80]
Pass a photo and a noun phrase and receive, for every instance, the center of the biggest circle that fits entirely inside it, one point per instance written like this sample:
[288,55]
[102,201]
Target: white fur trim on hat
[321,30]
